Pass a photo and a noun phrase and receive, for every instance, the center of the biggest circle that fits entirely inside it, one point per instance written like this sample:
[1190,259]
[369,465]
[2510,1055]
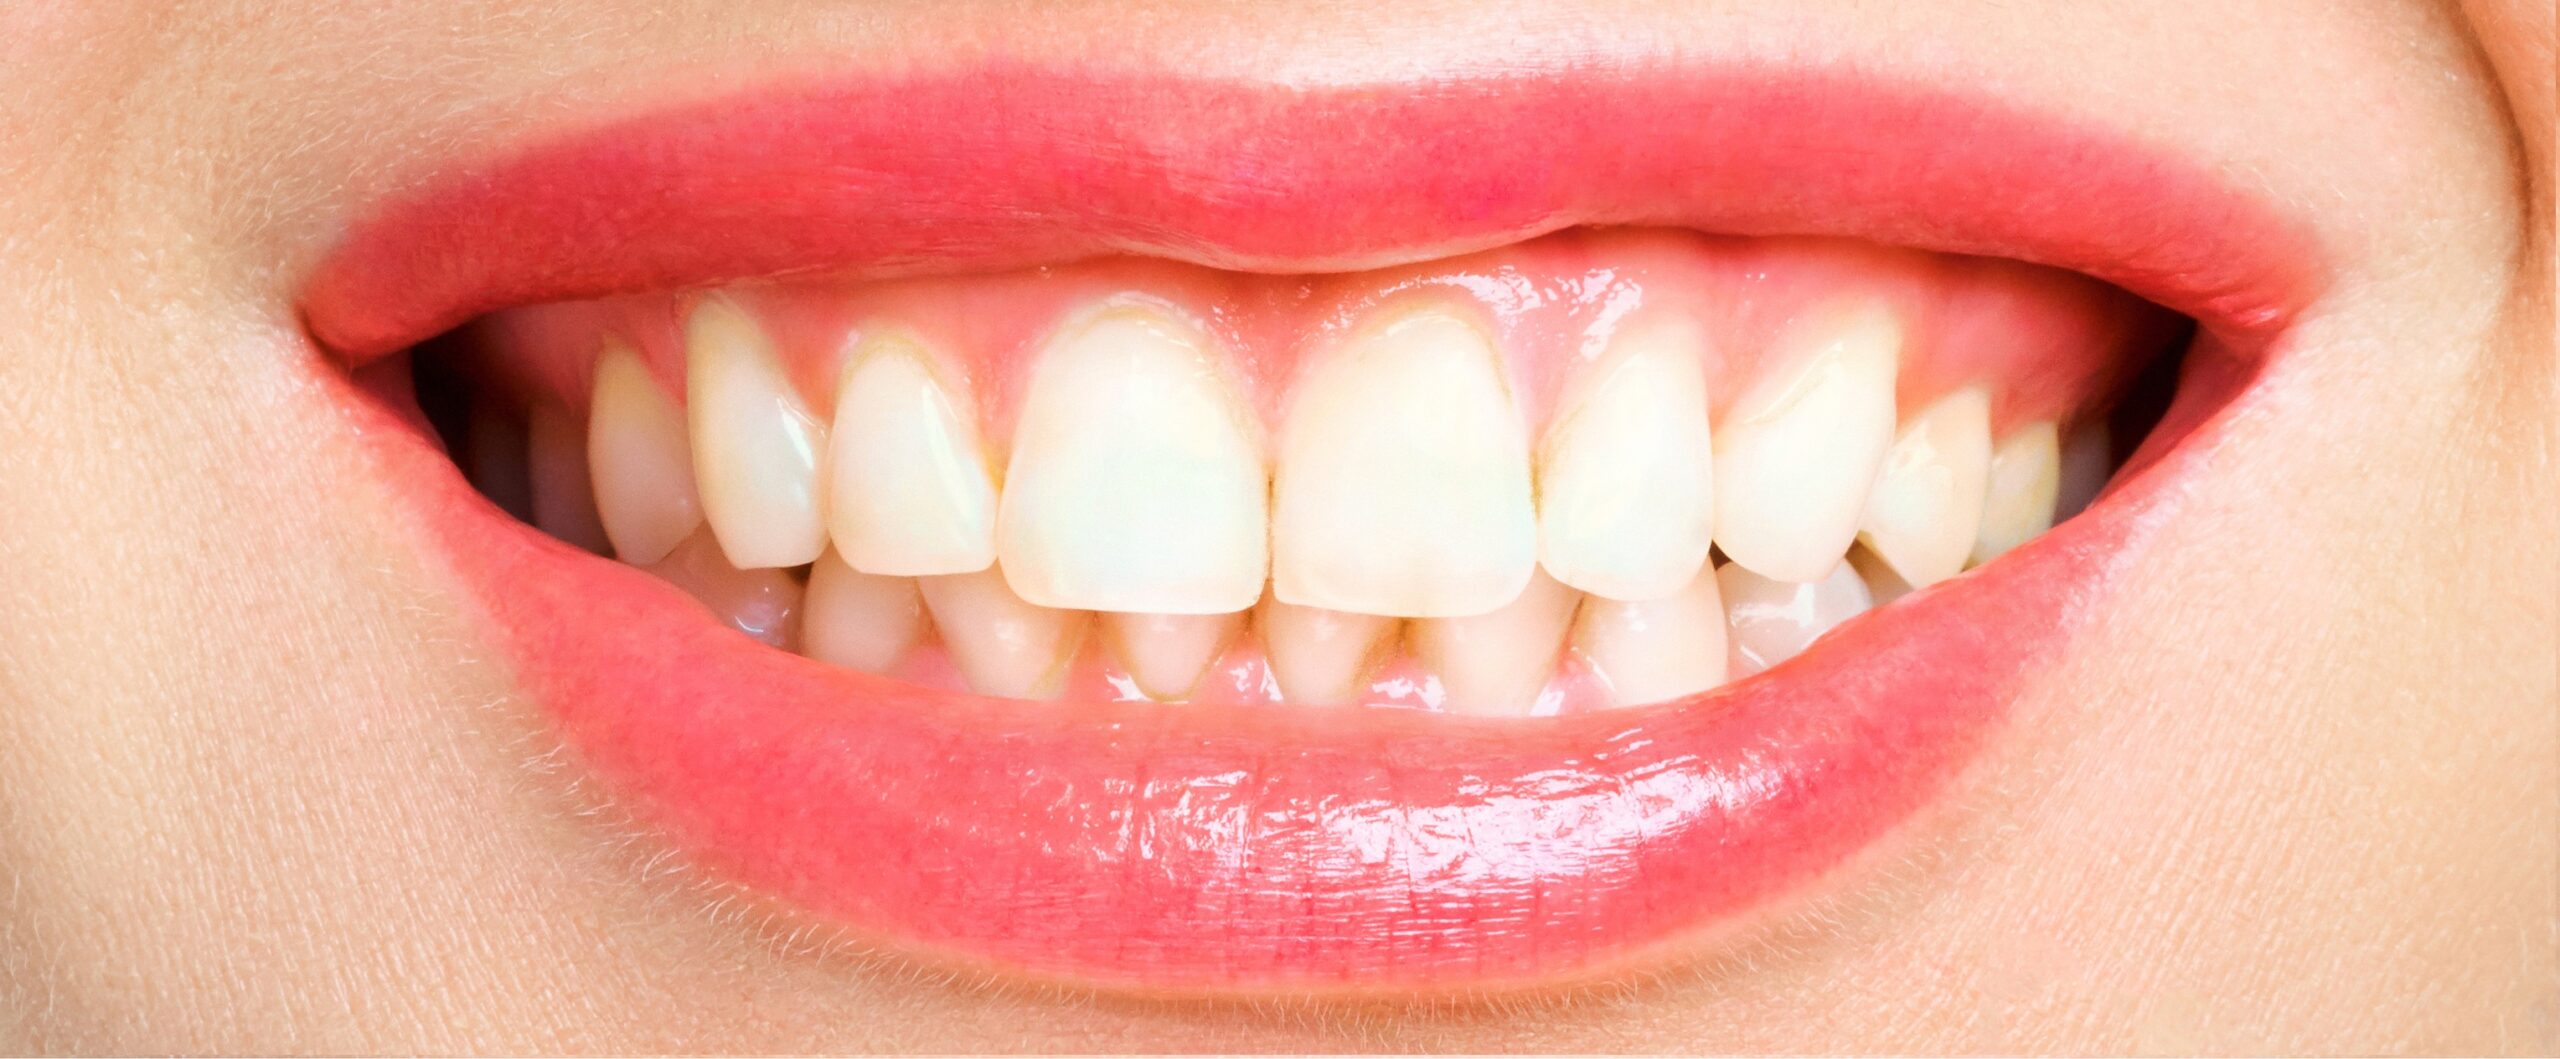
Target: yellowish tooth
[1137,482]
[1167,653]
[1403,476]
[1927,501]
[1658,649]
[1797,454]
[639,460]
[1322,657]
[1884,583]
[2088,458]
[564,503]
[1626,504]
[858,620]
[1002,645]
[764,604]
[1770,621]
[755,445]
[2026,476]
[909,488]
[1499,662]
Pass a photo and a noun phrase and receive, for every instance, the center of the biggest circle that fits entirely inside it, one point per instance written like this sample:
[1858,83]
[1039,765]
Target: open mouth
[1351,546]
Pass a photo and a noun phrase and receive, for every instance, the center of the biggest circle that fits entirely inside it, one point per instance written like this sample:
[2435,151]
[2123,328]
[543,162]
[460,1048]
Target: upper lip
[1175,849]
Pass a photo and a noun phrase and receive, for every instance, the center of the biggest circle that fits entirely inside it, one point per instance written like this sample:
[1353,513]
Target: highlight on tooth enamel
[1322,656]
[1137,481]
[639,460]
[755,445]
[1168,653]
[856,620]
[2088,458]
[1402,481]
[1002,645]
[1626,504]
[2026,477]
[1927,501]
[909,487]
[764,604]
[564,503]
[1795,458]
[1658,649]
[1499,662]
[1769,621]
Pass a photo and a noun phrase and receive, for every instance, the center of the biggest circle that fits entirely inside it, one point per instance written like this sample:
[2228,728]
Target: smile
[1207,537]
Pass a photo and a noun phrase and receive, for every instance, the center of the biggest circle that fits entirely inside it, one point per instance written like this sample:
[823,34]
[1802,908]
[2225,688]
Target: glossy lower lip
[1170,848]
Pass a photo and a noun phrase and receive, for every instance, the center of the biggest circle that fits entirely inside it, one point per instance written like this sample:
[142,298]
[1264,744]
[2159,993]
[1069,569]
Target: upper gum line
[1839,406]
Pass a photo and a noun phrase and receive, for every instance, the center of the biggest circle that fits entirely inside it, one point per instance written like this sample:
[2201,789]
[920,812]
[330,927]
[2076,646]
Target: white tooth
[1321,657]
[763,604]
[1772,620]
[1497,663]
[755,445]
[1626,505]
[640,461]
[1403,478]
[1884,584]
[1002,645]
[564,503]
[1927,500]
[2088,457]
[1167,653]
[1137,481]
[858,620]
[2026,475]
[909,490]
[1659,649]
[1795,457]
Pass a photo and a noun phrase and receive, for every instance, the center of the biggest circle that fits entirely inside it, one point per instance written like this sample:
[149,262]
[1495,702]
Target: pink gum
[2049,344]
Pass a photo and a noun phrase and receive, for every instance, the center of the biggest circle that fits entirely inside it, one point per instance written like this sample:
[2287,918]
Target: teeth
[1321,656]
[1403,477]
[1884,584]
[1497,663]
[1167,653]
[755,446]
[1927,500]
[1773,620]
[2088,457]
[909,490]
[1626,508]
[1795,458]
[2026,473]
[858,620]
[1659,649]
[1002,645]
[640,461]
[1137,483]
[764,604]
[564,503]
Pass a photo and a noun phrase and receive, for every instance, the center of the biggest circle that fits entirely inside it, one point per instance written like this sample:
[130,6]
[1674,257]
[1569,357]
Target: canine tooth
[1002,645]
[1927,500]
[2088,456]
[1321,656]
[1403,477]
[755,445]
[909,489]
[1498,662]
[1167,653]
[1884,584]
[1137,482]
[2026,475]
[639,460]
[564,503]
[1626,505]
[764,604]
[1770,620]
[857,620]
[1795,457]
[1657,649]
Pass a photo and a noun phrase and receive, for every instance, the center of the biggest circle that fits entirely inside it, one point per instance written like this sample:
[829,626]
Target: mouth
[1350,545]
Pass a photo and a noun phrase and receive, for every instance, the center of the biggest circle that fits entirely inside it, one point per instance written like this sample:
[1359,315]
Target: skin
[260,790]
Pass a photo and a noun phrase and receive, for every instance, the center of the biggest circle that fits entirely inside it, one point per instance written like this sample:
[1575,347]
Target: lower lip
[1179,849]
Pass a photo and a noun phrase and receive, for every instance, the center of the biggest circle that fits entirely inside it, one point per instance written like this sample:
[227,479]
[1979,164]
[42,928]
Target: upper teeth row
[1401,481]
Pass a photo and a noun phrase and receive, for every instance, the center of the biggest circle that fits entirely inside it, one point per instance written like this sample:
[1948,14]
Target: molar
[1626,505]
[1795,458]
[639,461]
[755,445]
[909,489]
[1927,500]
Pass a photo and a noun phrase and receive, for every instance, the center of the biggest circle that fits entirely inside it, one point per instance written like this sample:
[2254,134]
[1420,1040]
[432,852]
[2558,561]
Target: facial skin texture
[260,789]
